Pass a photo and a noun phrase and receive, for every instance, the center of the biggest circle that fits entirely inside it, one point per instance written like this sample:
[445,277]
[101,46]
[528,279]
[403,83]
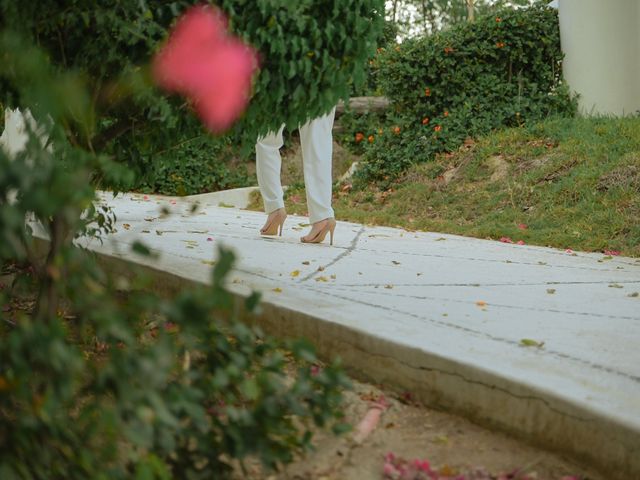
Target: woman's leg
[268,163]
[317,151]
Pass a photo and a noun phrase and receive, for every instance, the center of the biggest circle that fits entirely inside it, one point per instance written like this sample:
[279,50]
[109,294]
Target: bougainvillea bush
[502,70]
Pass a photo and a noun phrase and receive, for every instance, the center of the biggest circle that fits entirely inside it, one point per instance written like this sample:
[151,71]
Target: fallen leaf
[306,262]
[322,279]
[321,268]
[277,290]
[634,295]
[551,291]
[333,277]
[208,262]
[295,273]
[126,226]
[481,303]
[388,287]
[395,263]
[527,342]
[615,285]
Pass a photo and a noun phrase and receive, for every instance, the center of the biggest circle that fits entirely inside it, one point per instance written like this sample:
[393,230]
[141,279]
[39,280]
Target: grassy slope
[574,183]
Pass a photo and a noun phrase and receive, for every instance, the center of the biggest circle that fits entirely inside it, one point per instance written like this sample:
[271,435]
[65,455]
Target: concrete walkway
[452,320]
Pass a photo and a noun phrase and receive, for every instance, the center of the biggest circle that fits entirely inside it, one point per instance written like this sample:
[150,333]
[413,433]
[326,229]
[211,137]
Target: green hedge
[311,54]
[502,70]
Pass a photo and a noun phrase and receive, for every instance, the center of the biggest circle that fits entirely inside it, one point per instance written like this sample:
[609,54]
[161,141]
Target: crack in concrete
[547,352]
[490,304]
[507,261]
[473,382]
[344,254]
[509,284]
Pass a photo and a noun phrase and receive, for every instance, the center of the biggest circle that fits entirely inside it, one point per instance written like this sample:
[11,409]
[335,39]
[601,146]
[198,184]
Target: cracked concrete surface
[439,315]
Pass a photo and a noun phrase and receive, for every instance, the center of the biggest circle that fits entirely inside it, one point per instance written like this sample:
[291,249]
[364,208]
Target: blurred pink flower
[613,253]
[520,242]
[506,240]
[202,61]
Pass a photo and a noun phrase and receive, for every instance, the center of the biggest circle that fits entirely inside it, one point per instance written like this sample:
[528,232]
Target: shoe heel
[331,230]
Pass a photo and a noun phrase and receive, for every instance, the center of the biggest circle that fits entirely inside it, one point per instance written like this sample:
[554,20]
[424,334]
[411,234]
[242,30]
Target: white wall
[601,42]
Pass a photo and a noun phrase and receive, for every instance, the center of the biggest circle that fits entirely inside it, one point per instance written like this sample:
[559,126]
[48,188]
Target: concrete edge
[531,415]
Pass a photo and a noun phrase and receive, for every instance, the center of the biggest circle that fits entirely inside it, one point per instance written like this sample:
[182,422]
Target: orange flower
[427,92]
[396,130]
[371,138]
[425,120]
[500,44]
[446,113]
[359,137]
[498,19]
[448,50]
[437,128]
[380,131]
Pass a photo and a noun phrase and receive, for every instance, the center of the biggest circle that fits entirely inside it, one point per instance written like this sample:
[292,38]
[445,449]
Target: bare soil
[412,431]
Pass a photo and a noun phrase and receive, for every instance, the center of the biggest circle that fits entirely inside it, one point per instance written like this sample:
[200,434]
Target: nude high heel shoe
[329,227]
[275,223]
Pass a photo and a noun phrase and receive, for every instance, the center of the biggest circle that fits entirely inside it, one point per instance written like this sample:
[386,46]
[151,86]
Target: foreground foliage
[102,379]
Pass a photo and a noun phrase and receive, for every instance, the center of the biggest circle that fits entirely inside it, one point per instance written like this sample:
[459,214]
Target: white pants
[317,151]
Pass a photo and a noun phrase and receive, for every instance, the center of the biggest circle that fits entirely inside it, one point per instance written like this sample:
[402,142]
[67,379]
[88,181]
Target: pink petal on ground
[209,239]
[569,251]
[422,465]
[506,240]
[146,197]
[207,65]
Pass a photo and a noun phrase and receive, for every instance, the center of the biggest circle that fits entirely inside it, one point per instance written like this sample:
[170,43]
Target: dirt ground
[450,444]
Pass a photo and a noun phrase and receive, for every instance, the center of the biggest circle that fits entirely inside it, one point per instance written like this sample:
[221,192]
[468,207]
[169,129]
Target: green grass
[574,183]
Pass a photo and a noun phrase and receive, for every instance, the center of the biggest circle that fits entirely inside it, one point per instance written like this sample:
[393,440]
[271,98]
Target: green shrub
[102,379]
[195,165]
[502,70]
[312,54]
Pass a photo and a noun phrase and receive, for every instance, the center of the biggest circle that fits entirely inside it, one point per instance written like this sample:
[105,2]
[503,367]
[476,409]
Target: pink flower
[389,469]
[506,240]
[569,251]
[422,465]
[209,239]
[522,226]
[389,457]
[520,242]
[613,253]
[207,65]
[146,197]
[315,370]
